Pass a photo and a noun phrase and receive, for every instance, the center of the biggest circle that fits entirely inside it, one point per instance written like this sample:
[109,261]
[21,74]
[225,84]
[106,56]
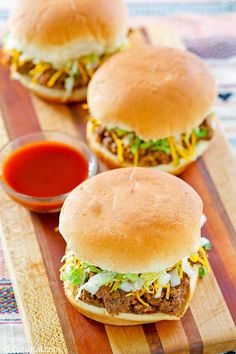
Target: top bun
[154,91]
[132,220]
[58,30]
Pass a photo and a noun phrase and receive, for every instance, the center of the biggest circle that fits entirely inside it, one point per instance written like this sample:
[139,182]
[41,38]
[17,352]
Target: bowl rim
[91,158]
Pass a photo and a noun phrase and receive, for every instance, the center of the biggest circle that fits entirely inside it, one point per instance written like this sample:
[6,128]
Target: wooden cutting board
[33,248]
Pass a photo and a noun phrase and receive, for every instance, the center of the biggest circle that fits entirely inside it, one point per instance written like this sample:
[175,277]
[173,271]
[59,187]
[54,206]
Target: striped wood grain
[209,324]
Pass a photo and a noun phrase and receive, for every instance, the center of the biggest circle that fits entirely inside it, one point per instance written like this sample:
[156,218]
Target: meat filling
[117,301]
[81,76]
[146,156]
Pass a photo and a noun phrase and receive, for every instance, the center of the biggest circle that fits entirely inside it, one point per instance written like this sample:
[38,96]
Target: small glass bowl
[41,204]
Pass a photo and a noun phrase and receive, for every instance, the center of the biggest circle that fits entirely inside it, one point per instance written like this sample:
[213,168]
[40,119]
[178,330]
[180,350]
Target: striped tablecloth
[208,29]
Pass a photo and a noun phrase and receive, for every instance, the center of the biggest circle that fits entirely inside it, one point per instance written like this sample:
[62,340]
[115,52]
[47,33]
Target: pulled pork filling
[120,301]
[131,149]
[74,74]
[165,291]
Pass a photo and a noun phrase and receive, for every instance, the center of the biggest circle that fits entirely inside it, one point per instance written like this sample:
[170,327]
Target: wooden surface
[33,249]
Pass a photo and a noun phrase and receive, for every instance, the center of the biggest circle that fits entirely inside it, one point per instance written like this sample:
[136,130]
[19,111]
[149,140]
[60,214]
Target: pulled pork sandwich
[151,107]
[55,46]
[134,253]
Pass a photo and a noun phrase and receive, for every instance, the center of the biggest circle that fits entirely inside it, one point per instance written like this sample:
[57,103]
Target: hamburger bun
[132,220]
[156,92]
[100,314]
[112,161]
[38,28]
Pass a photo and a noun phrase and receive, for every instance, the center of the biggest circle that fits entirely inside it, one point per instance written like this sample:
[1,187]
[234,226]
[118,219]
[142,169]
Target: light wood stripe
[127,340]
[28,274]
[74,325]
[173,336]
[153,339]
[192,333]
[219,229]
[223,171]
[54,117]
[212,315]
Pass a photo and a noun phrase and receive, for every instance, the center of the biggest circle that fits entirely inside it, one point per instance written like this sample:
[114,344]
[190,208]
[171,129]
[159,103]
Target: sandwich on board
[134,253]
[54,47]
[151,107]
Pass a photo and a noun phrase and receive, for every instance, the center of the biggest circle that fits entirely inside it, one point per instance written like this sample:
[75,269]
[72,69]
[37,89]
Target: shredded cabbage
[186,267]
[175,279]
[204,241]
[69,84]
[203,220]
[77,273]
[96,282]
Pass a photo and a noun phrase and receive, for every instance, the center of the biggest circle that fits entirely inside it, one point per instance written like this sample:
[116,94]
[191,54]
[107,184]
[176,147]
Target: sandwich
[134,253]
[54,47]
[151,107]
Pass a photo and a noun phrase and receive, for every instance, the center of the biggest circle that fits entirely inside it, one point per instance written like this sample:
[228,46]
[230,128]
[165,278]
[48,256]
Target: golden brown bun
[55,31]
[156,92]
[51,94]
[132,220]
[126,319]
[112,160]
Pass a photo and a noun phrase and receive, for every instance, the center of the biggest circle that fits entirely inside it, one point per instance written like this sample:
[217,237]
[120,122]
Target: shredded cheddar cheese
[83,73]
[203,253]
[193,141]
[119,144]
[173,151]
[183,153]
[156,287]
[115,285]
[54,78]
[194,257]
[180,270]
[168,291]
[138,296]
[39,69]
[64,265]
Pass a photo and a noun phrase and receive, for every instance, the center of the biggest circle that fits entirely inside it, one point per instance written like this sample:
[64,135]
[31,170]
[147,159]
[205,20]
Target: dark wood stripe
[219,229]
[80,116]
[192,333]
[16,106]
[20,118]
[153,338]
[82,335]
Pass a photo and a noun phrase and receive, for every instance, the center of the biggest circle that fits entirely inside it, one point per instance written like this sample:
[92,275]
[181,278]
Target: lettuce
[131,276]
[76,276]
[136,144]
[91,268]
[202,272]
[201,132]
[161,145]
[90,58]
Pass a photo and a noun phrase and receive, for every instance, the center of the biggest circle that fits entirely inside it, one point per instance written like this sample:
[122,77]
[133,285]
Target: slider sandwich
[134,253]
[55,46]
[151,107]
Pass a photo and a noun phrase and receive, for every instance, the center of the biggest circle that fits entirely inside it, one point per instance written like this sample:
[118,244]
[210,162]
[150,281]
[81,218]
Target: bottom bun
[112,161]
[100,314]
[51,94]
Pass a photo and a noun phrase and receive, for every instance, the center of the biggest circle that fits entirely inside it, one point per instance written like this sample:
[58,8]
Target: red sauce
[45,169]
